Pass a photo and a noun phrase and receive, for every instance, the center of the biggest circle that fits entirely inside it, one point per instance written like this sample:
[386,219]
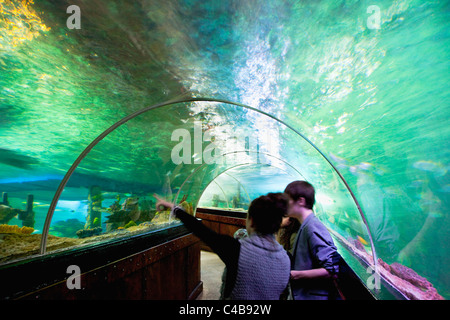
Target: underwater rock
[18,245]
[130,224]
[147,215]
[66,228]
[118,216]
[131,206]
[424,289]
[115,207]
[15,245]
[84,233]
[132,209]
[162,217]
[404,279]
[187,207]
[147,210]
[409,275]
[27,215]
[7,213]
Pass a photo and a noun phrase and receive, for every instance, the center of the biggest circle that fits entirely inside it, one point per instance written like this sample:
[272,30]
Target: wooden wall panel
[167,271]
[221,224]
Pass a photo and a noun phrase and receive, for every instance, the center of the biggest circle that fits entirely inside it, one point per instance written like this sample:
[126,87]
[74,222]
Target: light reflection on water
[374,101]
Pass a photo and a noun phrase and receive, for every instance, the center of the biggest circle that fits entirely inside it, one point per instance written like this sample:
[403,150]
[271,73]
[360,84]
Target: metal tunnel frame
[69,173]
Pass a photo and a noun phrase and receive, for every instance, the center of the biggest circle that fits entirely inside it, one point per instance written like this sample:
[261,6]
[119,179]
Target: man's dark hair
[301,189]
[268,211]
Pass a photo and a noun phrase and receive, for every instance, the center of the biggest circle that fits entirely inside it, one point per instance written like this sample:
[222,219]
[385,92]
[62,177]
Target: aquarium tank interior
[212,103]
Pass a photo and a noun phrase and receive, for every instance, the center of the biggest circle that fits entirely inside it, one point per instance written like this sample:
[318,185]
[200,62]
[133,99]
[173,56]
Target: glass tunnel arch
[240,184]
[134,115]
[227,173]
[374,101]
[226,170]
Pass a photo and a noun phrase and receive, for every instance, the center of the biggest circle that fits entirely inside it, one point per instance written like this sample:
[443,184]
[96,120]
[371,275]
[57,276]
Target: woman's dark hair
[268,211]
[301,189]
[286,233]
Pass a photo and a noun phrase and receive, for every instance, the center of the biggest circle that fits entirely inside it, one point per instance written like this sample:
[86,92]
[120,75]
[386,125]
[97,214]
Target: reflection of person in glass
[376,204]
[431,206]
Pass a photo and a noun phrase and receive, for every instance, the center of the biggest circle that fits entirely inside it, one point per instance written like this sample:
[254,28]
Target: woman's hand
[162,204]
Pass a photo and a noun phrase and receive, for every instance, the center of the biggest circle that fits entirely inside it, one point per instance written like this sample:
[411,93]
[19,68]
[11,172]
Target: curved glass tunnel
[369,91]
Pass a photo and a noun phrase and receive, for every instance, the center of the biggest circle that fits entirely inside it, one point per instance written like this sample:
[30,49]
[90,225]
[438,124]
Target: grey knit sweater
[258,268]
[263,269]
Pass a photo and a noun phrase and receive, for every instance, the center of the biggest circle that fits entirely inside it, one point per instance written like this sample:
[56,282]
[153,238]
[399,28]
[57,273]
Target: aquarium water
[243,97]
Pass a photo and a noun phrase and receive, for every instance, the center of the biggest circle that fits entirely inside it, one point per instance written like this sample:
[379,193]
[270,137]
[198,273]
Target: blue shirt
[314,249]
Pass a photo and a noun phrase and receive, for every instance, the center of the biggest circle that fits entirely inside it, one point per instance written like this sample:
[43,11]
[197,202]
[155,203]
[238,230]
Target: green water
[374,101]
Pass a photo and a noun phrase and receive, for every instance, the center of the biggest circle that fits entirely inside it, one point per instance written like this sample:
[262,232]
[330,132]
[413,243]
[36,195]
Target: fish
[16,159]
[360,239]
[337,159]
[365,165]
[430,166]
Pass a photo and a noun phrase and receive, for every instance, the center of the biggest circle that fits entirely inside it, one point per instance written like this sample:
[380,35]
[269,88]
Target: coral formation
[7,212]
[5,228]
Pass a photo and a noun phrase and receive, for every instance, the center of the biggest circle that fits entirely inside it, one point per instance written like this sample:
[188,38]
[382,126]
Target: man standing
[316,260]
